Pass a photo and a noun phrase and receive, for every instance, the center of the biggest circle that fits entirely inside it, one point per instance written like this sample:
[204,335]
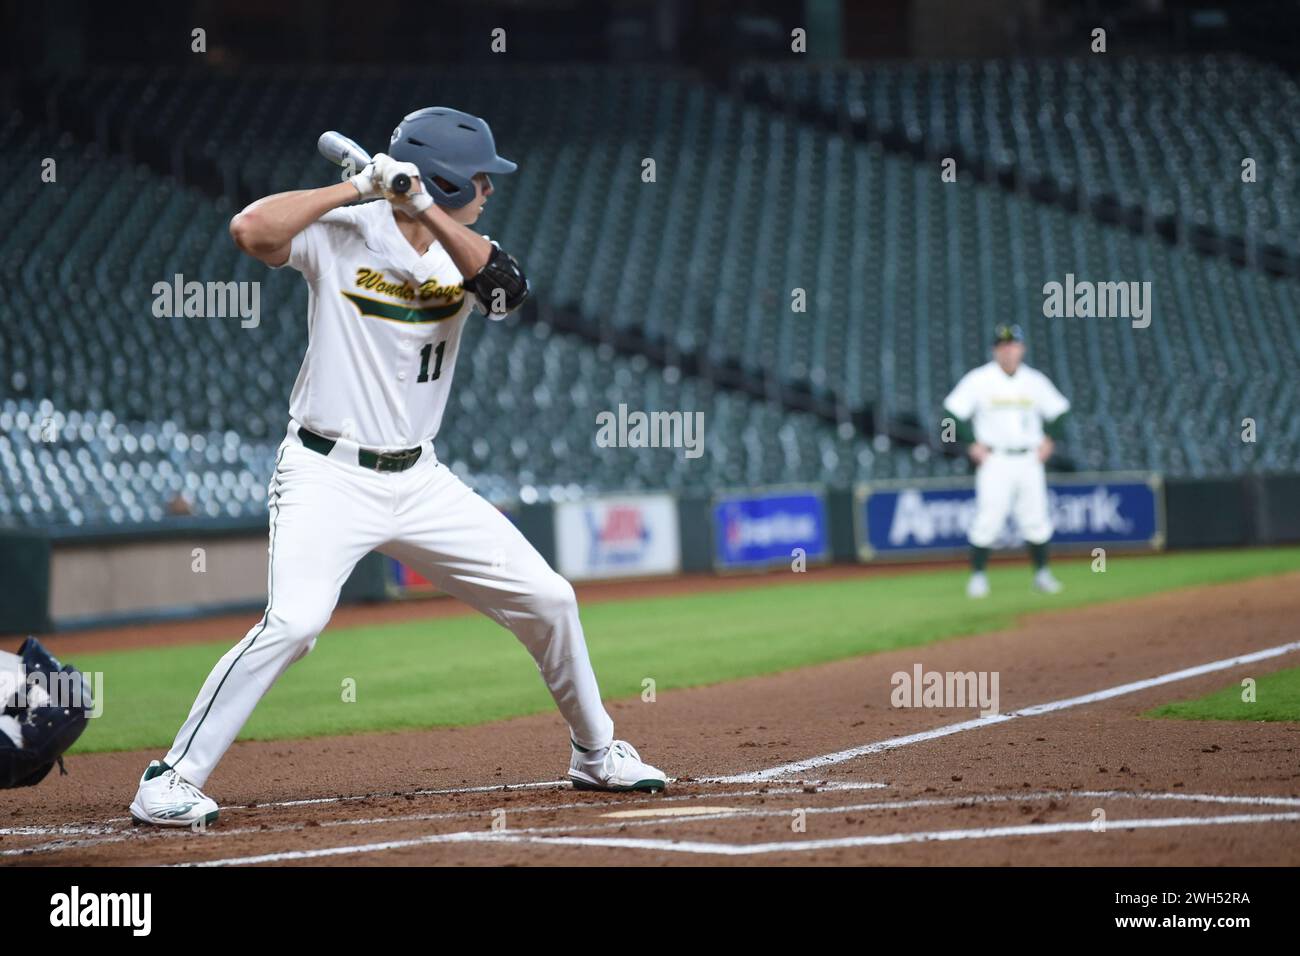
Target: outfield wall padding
[695,515]
[59,579]
[1208,513]
[1276,508]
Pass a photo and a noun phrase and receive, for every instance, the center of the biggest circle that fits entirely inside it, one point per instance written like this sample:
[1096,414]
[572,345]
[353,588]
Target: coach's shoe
[978,585]
[166,799]
[1045,582]
[619,768]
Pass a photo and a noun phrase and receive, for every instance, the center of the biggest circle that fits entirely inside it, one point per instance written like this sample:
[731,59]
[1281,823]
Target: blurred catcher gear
[49,704]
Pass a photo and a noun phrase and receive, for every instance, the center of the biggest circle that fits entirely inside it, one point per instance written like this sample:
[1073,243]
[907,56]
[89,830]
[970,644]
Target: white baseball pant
[1010,484]
[326,513]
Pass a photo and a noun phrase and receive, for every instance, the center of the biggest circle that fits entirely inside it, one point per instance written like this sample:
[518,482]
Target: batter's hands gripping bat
[341,151]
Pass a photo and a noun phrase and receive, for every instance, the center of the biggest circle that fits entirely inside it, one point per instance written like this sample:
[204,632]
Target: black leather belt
[374,460]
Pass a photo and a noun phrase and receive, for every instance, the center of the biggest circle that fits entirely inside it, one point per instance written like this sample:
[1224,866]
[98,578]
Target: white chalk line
[66,829]
[104,834]
[72,829]
[752,849]
[57,845]
[502,787]
[117,824]
[916,803]
[893,743]
[762,775]
[509,788]
[1035,710]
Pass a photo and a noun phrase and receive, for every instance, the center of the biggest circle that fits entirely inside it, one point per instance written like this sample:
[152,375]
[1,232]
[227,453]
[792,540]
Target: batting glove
[387,169]
[413,201]
[366,184]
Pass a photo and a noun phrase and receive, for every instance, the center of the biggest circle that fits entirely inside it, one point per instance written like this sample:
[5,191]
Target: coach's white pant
[325,515]
[1010,484]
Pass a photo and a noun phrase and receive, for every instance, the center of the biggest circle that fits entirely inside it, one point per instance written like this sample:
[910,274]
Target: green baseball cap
[1006,332]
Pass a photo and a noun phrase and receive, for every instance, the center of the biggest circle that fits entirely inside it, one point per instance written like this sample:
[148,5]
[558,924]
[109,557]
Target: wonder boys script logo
[432,302]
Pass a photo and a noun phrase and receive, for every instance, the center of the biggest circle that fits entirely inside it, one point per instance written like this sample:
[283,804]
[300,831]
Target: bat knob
[401,183]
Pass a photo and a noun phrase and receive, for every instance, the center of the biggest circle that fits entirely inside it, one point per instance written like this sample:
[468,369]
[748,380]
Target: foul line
[826,760]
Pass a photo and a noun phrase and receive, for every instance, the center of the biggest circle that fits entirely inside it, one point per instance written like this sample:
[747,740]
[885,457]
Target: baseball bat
[342,151]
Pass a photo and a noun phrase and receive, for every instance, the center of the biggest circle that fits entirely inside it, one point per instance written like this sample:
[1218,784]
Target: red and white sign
[625,536]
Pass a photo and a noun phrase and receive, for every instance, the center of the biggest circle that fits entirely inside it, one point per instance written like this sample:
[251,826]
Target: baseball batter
[391,283]
[1009,414]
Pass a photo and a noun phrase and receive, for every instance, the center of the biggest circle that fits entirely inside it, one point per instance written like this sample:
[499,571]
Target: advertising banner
[622,536]
[762,529]
[926,517]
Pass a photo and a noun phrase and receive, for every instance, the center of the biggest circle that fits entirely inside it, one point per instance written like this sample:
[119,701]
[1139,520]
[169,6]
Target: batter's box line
[918,803]
[978,723]
[968,800]
[754,849]
[101,834]
[921,803]
[537,785]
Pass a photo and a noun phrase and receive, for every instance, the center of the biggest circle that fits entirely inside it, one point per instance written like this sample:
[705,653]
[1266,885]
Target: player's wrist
[341,194]
[363,184]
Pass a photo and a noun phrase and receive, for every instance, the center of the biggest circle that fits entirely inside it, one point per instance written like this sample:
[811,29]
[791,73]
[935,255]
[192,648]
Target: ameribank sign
[931,517]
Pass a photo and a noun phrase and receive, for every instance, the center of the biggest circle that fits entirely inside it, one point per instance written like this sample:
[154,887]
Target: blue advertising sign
[931,517]
[761,529]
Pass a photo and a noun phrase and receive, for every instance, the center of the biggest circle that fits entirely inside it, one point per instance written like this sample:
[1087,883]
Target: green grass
[1277,697]
[468,670]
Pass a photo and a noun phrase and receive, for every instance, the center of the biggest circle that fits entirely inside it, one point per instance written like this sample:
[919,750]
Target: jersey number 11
[425,352]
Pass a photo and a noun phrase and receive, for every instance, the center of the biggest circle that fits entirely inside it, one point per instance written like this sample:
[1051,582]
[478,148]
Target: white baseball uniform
[384,328]
[1007,413]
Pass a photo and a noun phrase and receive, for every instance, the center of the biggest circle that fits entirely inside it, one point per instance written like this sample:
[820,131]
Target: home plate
[672,812]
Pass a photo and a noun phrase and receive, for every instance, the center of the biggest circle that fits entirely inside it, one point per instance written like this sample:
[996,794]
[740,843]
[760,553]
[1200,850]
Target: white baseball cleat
[167,800]
[619,768]
[1045,582]
[978,585]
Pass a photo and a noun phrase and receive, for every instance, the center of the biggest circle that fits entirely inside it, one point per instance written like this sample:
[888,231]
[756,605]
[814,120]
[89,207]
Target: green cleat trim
[156,770]
[644,786]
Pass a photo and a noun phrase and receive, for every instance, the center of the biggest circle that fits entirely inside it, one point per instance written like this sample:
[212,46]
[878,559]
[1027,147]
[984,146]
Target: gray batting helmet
[450,145]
